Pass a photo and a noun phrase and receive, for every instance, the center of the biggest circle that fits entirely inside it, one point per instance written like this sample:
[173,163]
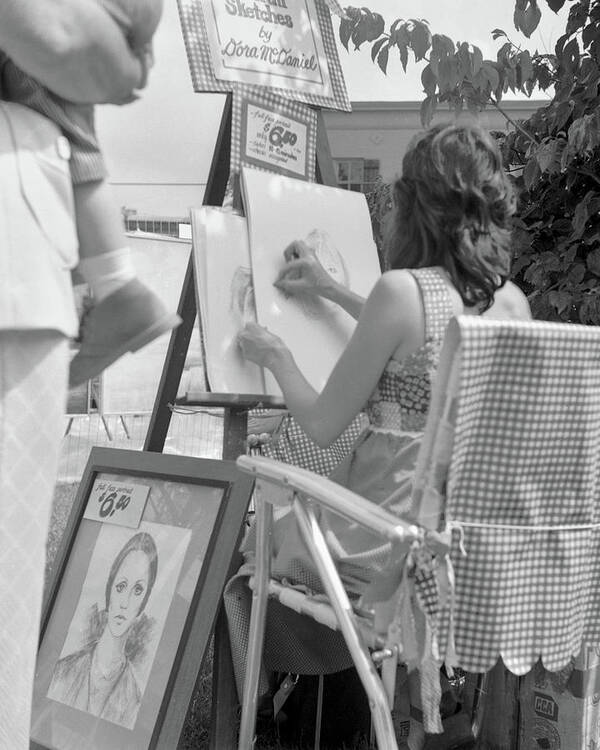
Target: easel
[224,697]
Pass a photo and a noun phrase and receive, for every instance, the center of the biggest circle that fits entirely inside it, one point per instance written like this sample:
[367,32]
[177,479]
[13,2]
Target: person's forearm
[300,398]
[349,301]
[73,47]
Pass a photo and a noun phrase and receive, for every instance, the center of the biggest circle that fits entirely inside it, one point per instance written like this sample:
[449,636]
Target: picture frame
[133,598]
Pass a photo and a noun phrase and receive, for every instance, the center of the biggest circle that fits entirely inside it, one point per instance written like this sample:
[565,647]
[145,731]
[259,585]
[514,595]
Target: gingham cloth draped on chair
[515,448]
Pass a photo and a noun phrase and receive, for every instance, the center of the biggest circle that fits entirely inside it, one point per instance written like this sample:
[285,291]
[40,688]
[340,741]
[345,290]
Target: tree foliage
[554,156]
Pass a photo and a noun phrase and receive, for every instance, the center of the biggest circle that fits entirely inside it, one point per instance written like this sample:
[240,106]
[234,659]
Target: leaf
[570,56]
[375,27]
[555,5]
[577,17]
[428,107]
[403,50]
[395,25]
[359,34]
[531,19]
[560,300]
[548,155]
[498,33]
[531,173]
[477,60]
[491,73]
[442,45]
[527,16]
[582,214]
[382,58]
[429,80]
[376,47]
[463,57]
[420,40]
[345,32]
[593,261]
[525,66]
[562,114]
[576,274]
[447,74]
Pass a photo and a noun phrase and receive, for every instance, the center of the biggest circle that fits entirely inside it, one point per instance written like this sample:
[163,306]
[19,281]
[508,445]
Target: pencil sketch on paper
[225,290]
[242,306]
[111,641]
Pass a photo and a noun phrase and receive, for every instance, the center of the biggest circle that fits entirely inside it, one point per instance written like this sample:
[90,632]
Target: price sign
[275,138]
[121,503]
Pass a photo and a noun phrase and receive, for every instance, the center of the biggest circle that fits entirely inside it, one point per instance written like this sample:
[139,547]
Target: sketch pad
[225,298]
[337,224]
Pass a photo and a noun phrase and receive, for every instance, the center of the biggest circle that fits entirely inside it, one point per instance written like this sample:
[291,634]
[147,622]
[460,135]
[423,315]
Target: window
[166,227]
[356,174]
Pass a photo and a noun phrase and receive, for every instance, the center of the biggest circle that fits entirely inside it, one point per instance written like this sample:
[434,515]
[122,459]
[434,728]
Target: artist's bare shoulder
[509,304]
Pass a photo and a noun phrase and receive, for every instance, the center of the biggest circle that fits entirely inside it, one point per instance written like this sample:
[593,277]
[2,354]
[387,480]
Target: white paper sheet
[337,224]
[226,298]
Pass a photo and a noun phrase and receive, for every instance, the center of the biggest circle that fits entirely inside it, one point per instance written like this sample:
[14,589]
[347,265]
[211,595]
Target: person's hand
[303,272]
[259,345]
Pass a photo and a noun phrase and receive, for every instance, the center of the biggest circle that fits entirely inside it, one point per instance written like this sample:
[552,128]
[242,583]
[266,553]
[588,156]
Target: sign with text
[284,47]
[276,138]
[121,503]
[274,43]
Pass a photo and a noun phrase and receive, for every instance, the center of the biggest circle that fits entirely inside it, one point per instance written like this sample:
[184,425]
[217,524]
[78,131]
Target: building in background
[366,143]
[372,139]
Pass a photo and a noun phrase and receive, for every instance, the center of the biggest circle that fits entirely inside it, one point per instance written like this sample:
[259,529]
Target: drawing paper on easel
[336,223]
[225,298]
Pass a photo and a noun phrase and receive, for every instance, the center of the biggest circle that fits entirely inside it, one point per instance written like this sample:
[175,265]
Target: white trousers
[33,387]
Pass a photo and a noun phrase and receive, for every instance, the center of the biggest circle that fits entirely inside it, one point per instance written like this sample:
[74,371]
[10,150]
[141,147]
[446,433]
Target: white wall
[383,130]
[158,149]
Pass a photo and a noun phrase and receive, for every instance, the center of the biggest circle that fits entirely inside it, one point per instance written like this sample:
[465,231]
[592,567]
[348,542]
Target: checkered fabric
[202,72]
[292,445]
[523,485]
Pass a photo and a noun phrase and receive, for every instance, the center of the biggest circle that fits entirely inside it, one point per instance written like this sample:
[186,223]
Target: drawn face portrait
[328,255]
[128,592]
[241,301]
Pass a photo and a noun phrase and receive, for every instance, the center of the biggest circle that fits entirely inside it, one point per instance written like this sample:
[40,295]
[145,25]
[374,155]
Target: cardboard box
[561,710]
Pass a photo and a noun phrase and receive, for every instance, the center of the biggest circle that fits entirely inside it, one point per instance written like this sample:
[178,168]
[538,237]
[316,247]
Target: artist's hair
[141,542]
[452,208]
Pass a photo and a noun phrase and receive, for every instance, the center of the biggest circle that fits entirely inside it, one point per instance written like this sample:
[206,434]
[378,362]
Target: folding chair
[506,492]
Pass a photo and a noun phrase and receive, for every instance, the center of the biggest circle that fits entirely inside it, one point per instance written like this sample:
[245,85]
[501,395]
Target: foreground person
[74,48]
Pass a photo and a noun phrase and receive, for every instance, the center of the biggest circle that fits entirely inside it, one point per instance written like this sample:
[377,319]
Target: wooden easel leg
[180,337]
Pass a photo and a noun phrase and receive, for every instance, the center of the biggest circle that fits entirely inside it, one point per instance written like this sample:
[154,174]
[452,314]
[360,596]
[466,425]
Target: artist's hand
[259,345]
[303,272]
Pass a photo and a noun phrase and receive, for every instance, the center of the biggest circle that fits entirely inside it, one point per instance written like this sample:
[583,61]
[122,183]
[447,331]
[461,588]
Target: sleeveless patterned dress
[381,464]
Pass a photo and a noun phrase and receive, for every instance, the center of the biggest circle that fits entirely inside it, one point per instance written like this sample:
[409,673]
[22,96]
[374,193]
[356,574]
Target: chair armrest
[332,496]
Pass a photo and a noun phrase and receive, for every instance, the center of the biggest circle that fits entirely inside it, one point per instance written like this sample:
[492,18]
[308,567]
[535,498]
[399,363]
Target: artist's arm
[73,47]
[303,274]
[392,314]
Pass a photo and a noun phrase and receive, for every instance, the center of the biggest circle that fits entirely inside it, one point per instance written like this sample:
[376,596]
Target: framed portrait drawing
[135,591]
